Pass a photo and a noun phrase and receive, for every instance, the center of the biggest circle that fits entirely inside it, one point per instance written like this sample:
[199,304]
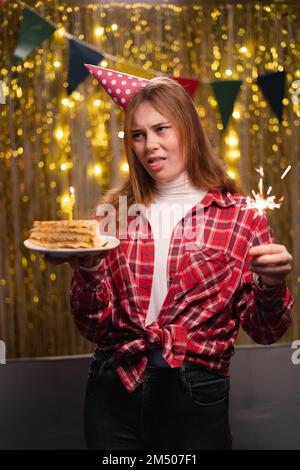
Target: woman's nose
[152,142]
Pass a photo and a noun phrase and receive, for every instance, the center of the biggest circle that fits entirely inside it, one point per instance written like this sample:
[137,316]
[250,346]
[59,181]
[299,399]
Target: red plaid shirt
[211,292]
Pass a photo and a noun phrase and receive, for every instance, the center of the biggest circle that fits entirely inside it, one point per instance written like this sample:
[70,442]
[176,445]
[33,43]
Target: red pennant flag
[189,84]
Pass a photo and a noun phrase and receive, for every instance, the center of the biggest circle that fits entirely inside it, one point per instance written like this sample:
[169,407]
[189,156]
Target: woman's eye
[137,135]
[140,135]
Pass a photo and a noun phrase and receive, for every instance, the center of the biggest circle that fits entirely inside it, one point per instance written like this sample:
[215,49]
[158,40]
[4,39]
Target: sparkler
[261,203]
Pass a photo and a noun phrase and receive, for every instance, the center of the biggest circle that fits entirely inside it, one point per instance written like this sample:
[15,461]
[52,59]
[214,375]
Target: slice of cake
[65,233]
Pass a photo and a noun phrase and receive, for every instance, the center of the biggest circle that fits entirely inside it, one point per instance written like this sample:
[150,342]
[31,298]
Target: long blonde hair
[205,170]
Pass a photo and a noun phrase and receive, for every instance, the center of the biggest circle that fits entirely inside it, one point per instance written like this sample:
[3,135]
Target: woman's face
[156,144]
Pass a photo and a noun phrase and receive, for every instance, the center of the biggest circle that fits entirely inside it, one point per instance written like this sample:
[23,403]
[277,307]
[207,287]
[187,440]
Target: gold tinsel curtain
[49,141]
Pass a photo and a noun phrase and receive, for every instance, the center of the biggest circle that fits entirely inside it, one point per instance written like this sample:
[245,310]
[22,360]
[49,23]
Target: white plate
[107,243]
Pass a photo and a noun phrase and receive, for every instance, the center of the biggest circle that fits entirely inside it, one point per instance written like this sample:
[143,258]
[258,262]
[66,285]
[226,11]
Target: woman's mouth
[156,163]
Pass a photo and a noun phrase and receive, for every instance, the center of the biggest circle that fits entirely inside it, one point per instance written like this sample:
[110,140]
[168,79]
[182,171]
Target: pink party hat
[120,86]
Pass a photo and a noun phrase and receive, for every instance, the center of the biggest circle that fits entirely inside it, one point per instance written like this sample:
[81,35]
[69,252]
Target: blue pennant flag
[80,54]
[272,85]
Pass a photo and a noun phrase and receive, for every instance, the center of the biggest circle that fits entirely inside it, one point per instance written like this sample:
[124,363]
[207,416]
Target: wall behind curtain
[48,143]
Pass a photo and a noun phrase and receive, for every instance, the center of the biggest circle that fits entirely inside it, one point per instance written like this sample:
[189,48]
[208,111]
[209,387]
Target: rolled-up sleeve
[91,302]
[264,314]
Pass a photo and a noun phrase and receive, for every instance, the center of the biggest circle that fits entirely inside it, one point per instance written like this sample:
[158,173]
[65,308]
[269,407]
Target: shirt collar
[223,200]
[216,197]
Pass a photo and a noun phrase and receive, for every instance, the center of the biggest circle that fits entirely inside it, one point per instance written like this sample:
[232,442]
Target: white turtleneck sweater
[173,200]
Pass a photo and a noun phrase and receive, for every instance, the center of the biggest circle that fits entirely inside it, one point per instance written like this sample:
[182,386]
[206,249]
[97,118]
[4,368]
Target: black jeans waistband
[156,363]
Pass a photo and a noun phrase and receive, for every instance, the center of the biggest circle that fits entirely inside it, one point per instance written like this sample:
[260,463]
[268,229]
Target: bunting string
[226,92]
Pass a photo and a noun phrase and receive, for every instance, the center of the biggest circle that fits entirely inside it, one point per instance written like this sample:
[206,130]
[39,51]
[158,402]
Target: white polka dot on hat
[120,86]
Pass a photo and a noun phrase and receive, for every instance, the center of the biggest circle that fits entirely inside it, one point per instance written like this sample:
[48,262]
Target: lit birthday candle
[67,203]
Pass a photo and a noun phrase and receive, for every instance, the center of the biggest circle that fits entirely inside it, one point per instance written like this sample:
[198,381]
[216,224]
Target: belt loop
[183,379]
[106,362]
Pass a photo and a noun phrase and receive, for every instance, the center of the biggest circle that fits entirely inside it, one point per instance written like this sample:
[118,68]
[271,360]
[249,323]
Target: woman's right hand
[77,262]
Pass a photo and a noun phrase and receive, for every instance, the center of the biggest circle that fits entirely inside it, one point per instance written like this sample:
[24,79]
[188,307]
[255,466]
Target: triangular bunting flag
[272,85]
[79,54]
[189,84]
[33,31]
[226,92]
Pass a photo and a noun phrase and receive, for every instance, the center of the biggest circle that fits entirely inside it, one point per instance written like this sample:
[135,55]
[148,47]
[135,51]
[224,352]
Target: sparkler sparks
[261,203]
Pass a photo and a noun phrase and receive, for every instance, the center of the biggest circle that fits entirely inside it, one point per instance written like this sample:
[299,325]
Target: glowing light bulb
[236,115]
[233,154]
[64,166]
[232,139]
[57,64]
[97,170]
[59,133]
[228,72]
[125,168]
[60,32]
[99,31]
[232,174]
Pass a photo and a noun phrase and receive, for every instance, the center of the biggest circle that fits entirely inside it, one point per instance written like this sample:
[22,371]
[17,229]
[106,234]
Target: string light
[65,166]
[124,168]
[232,173]
[97,103]
[59,133]
[99,31]
[60,32]
[232,139]
[97,170]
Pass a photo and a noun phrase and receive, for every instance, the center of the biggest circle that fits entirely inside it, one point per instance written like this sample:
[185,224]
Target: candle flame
[67,203]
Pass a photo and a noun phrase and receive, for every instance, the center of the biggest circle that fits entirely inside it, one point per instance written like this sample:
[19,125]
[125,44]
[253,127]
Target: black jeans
[183,408]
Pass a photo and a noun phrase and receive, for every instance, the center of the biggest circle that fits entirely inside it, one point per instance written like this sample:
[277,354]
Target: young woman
[164,307]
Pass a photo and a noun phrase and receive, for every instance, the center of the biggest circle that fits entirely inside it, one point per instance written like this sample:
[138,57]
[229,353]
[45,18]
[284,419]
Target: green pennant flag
[226,92]
[33,31]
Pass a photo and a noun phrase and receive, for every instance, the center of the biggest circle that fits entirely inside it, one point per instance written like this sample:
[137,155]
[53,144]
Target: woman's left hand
[271,262]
